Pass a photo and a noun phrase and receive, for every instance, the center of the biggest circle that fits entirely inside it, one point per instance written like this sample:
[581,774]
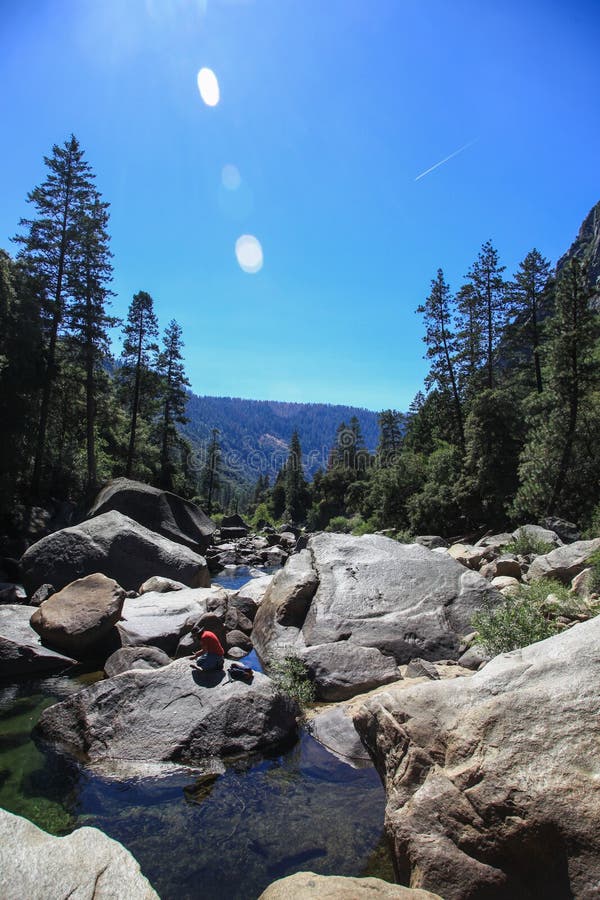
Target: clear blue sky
[329,109]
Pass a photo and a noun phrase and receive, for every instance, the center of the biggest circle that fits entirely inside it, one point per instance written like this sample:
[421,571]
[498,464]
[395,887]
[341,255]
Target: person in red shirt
[211,653]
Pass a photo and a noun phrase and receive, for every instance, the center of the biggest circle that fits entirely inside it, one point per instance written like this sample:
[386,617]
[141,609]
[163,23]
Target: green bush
[527,616]
[594,563]
[527,545]
[290,675]
[340,525]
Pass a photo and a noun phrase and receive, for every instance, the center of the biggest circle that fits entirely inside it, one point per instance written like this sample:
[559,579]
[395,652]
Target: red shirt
[211,643]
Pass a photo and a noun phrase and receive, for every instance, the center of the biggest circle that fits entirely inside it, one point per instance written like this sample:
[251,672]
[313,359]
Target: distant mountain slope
[254,434]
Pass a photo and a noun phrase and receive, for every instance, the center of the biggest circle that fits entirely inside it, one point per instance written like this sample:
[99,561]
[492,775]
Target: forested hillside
[254,435]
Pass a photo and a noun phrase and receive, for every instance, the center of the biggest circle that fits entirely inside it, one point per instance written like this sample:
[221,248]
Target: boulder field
[357,607]
[492,781]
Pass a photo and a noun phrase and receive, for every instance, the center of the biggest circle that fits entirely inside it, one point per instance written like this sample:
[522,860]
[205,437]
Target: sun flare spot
[208,87]
[249,253]
[230,177]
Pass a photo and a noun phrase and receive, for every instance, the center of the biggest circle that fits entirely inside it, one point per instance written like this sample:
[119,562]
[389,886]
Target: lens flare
[208,87]
[249,253]
[230,177]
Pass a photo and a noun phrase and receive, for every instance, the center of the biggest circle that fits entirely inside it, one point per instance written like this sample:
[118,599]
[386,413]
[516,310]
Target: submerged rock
[491,781]
[85,864]
[118,547]
[172,714]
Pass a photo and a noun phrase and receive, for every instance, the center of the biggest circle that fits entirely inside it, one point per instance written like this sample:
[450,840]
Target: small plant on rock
[291,676]
[526,544]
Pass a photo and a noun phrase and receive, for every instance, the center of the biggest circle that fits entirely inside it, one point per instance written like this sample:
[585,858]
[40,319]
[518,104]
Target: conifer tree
[528,292]
[89,275]
[210,475]
[174,398]
[139,358]
[485,277]
[49,247]
[441,347]
[390,436]
[296,499]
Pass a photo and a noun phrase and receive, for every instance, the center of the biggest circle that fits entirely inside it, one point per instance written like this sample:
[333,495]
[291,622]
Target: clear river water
[226,835]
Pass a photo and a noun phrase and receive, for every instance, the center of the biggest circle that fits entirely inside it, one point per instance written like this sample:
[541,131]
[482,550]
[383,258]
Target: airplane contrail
[442,161]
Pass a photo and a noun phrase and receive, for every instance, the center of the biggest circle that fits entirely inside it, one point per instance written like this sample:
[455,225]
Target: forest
[506,428]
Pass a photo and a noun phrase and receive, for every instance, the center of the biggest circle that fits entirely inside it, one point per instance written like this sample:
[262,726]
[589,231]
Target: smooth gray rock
[420,668]
[161,620]
[565,562]
[135,658]
[85,865]
[334,729]
[78,618]
[538,534]
[21,650]
[491,781]
[118,547]
[43,593]
[401,598]
[158,585]
[172,714]
[309,886]
[474,658]
[341,670]
[238,639]
[431,541]
[249,597]
[568,532]
[160,511]
[284,607]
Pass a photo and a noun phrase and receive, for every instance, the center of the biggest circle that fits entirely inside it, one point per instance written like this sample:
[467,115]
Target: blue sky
[329,109]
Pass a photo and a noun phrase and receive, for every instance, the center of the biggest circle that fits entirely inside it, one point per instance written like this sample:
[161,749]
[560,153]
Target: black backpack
[241,672]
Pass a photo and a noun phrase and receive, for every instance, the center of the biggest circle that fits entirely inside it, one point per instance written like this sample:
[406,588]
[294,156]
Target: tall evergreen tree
[210,475]
[528,293]
[469,354]
[390,436]
[49,247]
[441,347]
[296,499]
[174,398]
[139,358]
[574,334]
[485,277]
[89,274]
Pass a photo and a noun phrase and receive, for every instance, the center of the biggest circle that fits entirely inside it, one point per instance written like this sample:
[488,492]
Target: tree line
[507,430]
[72,415]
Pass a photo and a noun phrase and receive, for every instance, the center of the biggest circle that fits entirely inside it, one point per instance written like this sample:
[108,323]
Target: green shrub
[594,564]
[261,514]
[340,525]
[527,544]
[290,675]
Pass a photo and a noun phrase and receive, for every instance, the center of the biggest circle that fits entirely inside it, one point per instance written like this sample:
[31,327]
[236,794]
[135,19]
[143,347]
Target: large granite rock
[118,547]
[565,562]
[492,781]
[177,519]
[308,886]
[85,865]
[371,591]
[172,714]
[21,650]
[334,729]
[161,620]
[78,618]
[343,669]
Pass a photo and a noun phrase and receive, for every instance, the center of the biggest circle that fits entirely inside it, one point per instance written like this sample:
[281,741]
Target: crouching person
[211,653]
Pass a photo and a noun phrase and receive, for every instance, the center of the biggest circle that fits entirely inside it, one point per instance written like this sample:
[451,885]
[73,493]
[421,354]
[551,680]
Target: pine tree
[296,499]
[390,436]
[528,293]
[469,355]
[485,277]
[573,336]
[139,357]
[442,348]
[174,399]
[49,247]
[210,476]
[89,275]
